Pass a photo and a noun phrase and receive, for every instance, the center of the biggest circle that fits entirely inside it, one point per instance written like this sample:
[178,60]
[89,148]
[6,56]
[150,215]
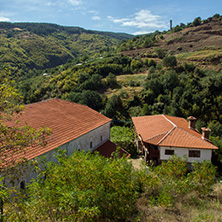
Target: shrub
[175,181]
[170,61]
[124,137]
[83,187]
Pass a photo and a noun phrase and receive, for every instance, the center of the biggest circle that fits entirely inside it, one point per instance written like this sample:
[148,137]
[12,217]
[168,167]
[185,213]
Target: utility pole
[171,22]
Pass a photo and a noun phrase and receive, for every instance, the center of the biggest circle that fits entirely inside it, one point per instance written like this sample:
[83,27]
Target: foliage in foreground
[14,138]
[87,187]
[83,187]
[171,180]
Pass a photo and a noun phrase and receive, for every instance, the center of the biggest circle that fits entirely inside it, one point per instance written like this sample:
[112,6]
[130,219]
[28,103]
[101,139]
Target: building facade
[161,136]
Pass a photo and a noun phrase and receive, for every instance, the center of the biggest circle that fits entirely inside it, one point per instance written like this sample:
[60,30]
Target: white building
[161,136]
[74,127]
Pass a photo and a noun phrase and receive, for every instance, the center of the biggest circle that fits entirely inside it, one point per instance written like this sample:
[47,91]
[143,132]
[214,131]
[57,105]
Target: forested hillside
[25,46]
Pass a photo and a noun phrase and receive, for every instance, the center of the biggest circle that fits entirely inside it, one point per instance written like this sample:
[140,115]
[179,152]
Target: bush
[175,181]
[125,138]
[170,61]
[83,187]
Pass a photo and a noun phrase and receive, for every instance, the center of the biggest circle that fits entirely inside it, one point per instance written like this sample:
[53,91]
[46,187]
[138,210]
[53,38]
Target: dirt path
[137,162]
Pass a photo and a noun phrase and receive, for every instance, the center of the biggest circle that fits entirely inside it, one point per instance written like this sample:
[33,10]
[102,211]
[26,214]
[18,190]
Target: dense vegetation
[26,46]
[86,187]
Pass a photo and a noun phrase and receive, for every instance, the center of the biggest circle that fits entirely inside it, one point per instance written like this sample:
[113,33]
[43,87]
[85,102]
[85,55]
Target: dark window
[169,152]
[194,153]
[91,144]
[101,137]
[22,185]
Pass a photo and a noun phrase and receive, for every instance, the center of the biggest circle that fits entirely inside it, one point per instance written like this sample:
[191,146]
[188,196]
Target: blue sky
[129,16]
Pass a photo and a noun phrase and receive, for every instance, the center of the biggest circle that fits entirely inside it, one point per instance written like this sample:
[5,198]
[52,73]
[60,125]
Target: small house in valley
[161,136]
[74,127]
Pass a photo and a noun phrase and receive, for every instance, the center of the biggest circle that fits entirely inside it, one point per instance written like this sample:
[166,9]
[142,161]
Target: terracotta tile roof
[166,130]
[67,120]
[108,148]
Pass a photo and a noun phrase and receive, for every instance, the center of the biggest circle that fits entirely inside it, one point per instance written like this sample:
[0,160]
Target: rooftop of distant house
[169,131]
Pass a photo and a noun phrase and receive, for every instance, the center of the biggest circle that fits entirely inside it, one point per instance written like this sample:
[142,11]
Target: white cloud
[142,19]
[96,18]
[4,19]
[142,32]
[75,2]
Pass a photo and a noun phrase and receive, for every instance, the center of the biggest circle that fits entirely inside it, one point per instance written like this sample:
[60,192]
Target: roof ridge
[169,120]
[155,136]
[169,132]
[197,137]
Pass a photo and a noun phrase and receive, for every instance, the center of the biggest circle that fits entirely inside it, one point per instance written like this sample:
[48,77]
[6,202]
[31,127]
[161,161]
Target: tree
[83,187]
[113,107]
[197,21]
[111,81]
[91,99]
[170,61]
[161,53]
[124,137]
[14,139]
[136,64]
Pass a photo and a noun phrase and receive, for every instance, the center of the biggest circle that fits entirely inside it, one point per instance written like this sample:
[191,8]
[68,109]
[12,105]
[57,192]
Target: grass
[130,85]
[191,207]
[132,77]
[200,55]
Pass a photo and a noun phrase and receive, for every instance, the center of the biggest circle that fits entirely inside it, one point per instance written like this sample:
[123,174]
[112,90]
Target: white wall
[82,142]
[205,154]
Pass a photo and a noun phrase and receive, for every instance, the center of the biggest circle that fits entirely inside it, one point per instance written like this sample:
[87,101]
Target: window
[22,185]
[79,148]
[101,138]
[91,142]
[194,153]
[169,152]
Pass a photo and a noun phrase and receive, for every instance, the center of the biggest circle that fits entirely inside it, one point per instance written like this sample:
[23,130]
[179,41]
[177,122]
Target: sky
[128,16]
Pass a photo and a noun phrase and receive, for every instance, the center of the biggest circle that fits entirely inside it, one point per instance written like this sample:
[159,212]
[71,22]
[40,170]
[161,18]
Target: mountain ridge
[42,45]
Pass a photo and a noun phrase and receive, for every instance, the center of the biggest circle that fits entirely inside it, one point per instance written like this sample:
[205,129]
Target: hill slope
[201,44]
[40,45]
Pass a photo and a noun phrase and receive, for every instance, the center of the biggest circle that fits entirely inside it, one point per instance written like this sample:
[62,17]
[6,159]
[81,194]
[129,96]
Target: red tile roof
[163,130]
[108,148]
[67,120]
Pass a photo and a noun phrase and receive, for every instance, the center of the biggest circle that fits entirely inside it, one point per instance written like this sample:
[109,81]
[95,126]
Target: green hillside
[198,42]
[37,45]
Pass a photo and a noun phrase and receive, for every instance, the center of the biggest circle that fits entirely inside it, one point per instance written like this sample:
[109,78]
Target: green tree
[91,99]
[83,187]
[14,139]
[136,64]
[170,61]
[113,107]
[111,81]
[125,138]
[161,53]
[197,21]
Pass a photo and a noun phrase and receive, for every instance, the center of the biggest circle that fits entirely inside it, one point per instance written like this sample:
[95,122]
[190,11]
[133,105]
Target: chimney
[171,25]
[205,133]
[192,122]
